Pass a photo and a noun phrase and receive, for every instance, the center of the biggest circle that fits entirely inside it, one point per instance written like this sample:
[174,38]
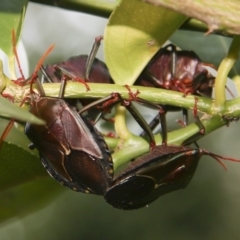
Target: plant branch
[101,8]
[154,95]
[177,137]
[217,14]
[104,8]
[223,71]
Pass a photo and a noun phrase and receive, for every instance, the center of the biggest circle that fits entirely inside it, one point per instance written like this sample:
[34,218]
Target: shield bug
[71,149]
[181,71]
[86,67]
[161,171]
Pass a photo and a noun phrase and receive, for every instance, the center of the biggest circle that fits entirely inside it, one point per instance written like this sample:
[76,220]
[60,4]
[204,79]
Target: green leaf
[18,164]
[11,18]
[28,198]
[10,110]
[135,32]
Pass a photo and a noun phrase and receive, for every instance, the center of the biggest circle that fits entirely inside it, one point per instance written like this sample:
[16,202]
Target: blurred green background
[207,209]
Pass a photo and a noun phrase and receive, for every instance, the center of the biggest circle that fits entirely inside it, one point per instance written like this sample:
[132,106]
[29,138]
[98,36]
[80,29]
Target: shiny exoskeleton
[181,71]
[164,169]
[70,147]
[85,67]
[77,66]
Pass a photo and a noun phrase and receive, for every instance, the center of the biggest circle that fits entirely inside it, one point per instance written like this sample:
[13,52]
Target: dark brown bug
[71,148]
[86,67]
[181,71]
[162,170]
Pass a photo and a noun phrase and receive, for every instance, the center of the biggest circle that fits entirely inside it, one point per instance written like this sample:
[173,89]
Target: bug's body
[181,71]
[77,66]
[71,148]
[164,169]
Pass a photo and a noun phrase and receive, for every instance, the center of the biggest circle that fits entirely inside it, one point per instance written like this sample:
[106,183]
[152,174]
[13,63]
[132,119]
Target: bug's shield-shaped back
[73,151]
[164,169]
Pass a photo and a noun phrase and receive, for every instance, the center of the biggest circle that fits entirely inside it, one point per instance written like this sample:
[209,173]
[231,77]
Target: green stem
[120,123]
[223,71]
[221,80]
[137,146]
[154,95]
[104,8]
[101,8]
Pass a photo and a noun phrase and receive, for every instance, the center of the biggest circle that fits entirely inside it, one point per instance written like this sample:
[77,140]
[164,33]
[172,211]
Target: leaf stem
[120,123]
[223,71]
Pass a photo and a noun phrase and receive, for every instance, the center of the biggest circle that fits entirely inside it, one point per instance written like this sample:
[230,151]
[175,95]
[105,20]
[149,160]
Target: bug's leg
[68,75]
[185,116]
[45,76]
[152,79]
[199,124]
[10,125]
[64,73]
[152,125]
[6,131]
[108,102]
[63,82]
[162,114]
[156,121]
[197,119]
[92,56]
[201,85]
[173,60]
[184,123]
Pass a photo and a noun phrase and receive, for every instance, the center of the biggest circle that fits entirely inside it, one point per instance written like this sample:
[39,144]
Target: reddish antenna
[14,45]
[38,66]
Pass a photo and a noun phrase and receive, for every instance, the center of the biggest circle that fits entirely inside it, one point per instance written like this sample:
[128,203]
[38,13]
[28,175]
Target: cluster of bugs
[74,152]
